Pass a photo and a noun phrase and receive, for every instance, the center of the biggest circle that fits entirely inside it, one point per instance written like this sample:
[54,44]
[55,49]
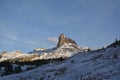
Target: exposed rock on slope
[66,47]
[63,40]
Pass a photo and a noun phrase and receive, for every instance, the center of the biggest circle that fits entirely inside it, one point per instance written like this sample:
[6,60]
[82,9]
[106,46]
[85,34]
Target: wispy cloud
[11,35]
[5,33]
[53,40]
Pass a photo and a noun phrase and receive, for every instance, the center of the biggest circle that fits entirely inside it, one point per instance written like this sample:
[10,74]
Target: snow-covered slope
[101,64]
[66,50]
[12,55]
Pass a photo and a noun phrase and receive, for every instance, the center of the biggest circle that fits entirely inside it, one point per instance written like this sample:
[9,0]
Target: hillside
[102,64]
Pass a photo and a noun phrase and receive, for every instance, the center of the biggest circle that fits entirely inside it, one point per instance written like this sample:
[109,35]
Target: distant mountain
[15,62]
[101,64]
[66,47]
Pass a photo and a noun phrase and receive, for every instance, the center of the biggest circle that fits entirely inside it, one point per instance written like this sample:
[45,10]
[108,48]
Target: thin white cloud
[5,33]
[11,35]
[53,40]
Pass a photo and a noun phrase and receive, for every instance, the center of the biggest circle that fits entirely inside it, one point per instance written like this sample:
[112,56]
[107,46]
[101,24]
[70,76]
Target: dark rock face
[63,40]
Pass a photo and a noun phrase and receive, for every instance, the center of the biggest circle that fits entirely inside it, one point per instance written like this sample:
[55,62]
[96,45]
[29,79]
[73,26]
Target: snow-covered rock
[66,47]
[39,49]
[12,55]
[101,64]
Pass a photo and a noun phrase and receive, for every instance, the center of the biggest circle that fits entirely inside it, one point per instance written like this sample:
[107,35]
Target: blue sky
[28,24]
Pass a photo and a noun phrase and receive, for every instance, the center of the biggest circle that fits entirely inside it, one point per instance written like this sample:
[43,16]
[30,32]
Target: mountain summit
[63,40]
[65,48]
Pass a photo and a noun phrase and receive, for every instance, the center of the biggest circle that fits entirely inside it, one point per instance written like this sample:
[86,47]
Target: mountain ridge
[66,47]
[101,64]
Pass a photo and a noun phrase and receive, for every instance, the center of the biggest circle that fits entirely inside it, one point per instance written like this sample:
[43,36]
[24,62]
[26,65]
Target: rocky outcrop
[63,40]
[39,49]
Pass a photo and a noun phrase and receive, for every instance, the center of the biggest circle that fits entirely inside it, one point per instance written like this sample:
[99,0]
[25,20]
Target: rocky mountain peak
[63,40]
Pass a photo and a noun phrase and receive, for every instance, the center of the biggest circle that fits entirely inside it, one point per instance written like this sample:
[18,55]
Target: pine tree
[8,68]
[18,69]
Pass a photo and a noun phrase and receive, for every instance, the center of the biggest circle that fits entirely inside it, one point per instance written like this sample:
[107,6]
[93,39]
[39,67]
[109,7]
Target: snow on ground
[66,50]
[12,55]
[95,65]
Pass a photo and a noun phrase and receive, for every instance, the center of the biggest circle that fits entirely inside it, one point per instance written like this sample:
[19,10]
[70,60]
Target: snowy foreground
[101,64]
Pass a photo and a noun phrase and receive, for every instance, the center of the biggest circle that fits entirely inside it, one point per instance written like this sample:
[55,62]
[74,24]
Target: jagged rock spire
[63,40]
